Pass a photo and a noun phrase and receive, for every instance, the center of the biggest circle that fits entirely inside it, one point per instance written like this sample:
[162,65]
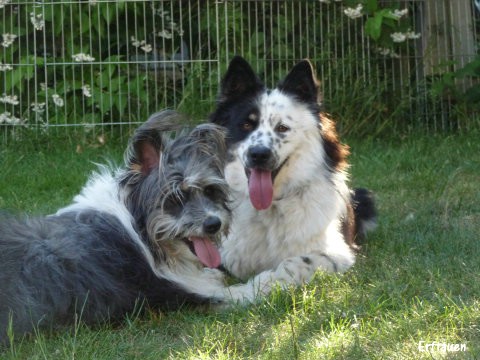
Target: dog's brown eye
[282,128]
[247,126]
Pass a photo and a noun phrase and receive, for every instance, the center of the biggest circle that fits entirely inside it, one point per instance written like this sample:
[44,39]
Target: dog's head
[268,129]
[176,188]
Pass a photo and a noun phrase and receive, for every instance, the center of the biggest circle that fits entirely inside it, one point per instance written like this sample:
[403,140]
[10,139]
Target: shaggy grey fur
[124,241]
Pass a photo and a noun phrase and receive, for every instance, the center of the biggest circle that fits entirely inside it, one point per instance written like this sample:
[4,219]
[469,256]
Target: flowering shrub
[70,62]
[386,26]
[113,62]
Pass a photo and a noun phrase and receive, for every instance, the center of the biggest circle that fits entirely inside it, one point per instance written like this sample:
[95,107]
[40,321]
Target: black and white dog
[288,174]
[145,234]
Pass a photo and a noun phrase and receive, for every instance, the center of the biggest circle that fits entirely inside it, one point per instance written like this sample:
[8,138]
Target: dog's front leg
[292,271]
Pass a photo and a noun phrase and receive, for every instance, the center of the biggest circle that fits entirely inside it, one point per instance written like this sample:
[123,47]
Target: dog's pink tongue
[260,188]
[206,252]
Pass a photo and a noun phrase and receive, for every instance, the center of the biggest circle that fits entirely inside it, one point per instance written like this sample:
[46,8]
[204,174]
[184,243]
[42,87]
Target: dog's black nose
[211,225]
[259,155]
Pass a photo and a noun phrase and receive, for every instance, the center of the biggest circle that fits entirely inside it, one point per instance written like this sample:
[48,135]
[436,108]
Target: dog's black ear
[239,80]
[149,140]
[302,83]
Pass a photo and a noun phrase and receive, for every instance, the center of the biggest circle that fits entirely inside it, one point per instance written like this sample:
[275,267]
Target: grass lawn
[416,285]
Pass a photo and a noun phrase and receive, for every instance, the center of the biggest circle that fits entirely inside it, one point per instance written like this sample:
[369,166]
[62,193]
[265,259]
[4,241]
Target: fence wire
[103,64]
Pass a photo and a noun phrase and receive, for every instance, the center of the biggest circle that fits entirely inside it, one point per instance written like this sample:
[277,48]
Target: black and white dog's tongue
[206,251]
[260,188]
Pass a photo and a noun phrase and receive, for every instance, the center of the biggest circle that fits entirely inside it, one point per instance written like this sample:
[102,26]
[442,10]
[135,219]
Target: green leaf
[16,78]
[373,26]
[108,12]
[371,6]
[105,102]
[117,83]
[120,102]
[471,69]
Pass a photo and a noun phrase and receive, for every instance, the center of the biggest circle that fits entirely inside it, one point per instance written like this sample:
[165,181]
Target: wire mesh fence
[102,64]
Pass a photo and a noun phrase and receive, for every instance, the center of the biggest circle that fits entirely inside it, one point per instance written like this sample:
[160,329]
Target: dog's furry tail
[364,211]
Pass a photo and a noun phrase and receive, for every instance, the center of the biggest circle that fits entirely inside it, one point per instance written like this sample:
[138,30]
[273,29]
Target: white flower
[388,52]
[165,34]
[142,44]
[137,43]
[398,37]
[86,90]
[412,35]
[8,99]
[160,11]
[354,13]
[399,13]
[147,48]
[3,3]
[8,39]
[38,108]
[8,118]
[57,100]
[81,57]
[5,67]
[401,37]
[37,21]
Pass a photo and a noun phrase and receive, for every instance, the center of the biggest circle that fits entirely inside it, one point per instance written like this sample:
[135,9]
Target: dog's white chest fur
[303,219]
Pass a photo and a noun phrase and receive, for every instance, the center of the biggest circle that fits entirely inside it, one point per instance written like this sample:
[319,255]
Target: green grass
[417,278]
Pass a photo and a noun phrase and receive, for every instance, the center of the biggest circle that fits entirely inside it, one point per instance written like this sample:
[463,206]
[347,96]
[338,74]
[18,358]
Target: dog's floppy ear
[240,79]
[302,83]
[149,140]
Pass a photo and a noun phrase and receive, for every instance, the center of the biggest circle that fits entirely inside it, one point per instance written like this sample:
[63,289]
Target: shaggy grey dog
[145,234]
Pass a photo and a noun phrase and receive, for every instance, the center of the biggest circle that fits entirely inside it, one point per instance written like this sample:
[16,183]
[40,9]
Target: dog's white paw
[256,288]
[295,271]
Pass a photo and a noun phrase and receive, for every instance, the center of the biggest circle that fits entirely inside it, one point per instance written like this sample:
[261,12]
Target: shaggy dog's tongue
[206,252]
[260,188]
